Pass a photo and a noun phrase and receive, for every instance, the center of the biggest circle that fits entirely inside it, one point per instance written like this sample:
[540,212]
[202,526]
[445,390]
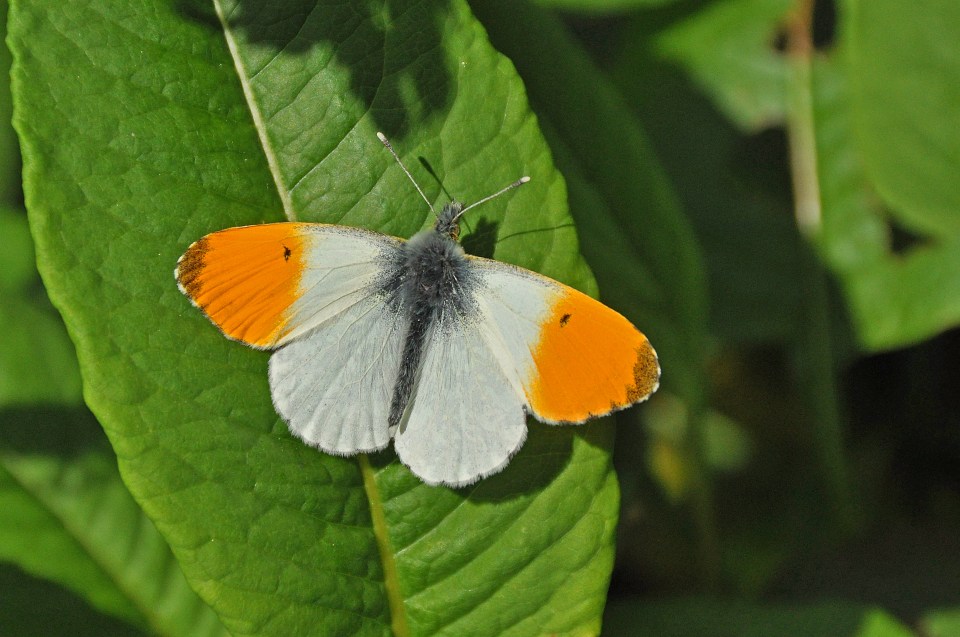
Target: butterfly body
[430,284]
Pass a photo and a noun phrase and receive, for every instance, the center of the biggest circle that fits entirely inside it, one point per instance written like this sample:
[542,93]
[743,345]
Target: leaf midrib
[258,122]
[391,580]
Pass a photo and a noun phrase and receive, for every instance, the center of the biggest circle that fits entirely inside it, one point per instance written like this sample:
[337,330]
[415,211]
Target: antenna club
[518,182]
[382,137]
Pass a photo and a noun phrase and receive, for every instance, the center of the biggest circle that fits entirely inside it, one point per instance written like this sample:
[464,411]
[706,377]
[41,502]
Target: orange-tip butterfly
[376,338]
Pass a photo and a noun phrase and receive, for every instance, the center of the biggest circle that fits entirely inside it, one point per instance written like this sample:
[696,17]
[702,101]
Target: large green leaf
[144,129]
[736,194]
[732,196]
[37,362]
[895,297]
[887,157]
[903,102]
[66,516]
[634,233]
[64,513]
[728,49]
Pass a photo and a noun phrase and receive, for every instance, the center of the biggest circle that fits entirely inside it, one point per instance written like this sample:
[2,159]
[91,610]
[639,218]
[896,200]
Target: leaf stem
[816,361]
[800,124]
[704,512]
[391,578]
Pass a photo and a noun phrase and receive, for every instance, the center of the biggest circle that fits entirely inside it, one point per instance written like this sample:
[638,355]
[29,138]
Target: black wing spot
[564,320]
[286,253]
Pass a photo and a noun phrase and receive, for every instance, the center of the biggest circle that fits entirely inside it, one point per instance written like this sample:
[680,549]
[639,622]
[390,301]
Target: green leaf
[885,126]
[10,193]
[942,623]
[64,513]
[728,48]
[66,516]
[37,361]
[633,232]
[634,235]
[879,623]
[143,130]
[17,269]
[733,197]
[903,104]
[896,297]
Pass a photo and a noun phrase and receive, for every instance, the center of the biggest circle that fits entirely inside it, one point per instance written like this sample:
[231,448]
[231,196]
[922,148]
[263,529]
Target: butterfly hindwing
[465,418]
[334,384]
[536,346]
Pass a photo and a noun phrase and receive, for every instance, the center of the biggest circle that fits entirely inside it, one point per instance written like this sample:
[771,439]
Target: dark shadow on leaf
[199,11]
[522,233]
[33,606]
[482,238]
[542,457]
[429,168]
[388,47]
[63,432]
[903,241]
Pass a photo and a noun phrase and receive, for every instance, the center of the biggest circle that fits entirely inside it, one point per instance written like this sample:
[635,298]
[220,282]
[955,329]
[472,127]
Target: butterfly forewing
[265,285]
[574,357]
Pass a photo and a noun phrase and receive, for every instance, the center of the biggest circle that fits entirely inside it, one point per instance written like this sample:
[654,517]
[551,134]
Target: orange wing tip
[589,361]
[646,375]
[246,279]
[189,267]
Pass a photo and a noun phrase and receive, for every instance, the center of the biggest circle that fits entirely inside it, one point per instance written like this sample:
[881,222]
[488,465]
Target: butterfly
[376,338]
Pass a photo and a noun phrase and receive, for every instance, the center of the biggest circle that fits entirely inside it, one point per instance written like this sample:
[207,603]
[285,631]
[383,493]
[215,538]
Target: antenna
[386,142]
[515,184]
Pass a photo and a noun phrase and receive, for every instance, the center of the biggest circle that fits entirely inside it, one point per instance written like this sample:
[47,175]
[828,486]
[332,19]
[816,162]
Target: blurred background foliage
[799,474]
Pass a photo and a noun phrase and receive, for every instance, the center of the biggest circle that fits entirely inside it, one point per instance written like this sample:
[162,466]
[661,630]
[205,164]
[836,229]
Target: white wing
[333,378]
[334,384]
[315,291]
[465,418]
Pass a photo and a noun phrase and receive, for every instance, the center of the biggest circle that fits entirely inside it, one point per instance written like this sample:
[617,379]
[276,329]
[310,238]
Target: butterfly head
[448,221]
